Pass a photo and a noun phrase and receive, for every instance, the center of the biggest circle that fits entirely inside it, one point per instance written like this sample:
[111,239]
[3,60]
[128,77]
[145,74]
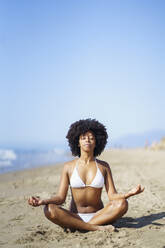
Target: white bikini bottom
[86,217]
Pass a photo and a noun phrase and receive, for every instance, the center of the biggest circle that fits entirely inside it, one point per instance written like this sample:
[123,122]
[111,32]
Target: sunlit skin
[86,199]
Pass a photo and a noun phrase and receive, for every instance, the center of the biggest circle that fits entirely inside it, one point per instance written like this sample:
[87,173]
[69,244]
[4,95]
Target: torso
[87,182]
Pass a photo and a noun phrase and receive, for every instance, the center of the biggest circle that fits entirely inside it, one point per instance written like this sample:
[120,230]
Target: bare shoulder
[103,164]
[69,165]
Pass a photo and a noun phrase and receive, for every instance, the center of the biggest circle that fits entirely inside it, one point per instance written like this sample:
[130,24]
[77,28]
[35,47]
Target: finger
[141,188]
[33,201]
[30,200]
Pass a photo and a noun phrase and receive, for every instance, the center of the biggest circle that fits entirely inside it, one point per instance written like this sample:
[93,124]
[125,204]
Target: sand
[143,226]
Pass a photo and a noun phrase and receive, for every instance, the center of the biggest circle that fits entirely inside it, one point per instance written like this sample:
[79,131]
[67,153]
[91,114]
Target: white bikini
[76,182]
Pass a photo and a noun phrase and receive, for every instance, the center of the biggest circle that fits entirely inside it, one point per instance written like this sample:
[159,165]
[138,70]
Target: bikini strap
[96,163]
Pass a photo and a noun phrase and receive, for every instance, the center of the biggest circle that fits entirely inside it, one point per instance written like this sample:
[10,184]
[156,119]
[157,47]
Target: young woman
[86,177]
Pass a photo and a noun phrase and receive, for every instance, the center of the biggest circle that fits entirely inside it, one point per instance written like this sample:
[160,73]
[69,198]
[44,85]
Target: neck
[87,157]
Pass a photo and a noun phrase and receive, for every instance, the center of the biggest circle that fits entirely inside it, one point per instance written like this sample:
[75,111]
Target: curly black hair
[81,127]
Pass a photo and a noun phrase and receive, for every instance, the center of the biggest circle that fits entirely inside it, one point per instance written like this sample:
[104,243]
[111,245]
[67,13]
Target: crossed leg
[111,212]
[66,219]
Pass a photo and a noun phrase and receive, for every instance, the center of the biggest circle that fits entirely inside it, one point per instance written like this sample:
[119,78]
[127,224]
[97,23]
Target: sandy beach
[143,226]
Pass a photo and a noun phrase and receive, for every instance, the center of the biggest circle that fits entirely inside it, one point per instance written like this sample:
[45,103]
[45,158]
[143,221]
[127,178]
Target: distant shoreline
[11,160]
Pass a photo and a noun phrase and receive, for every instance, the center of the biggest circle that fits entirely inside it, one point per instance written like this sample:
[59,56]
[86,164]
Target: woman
[86,176]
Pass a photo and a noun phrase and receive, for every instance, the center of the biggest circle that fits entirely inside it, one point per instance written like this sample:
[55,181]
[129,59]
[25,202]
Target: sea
[19,159]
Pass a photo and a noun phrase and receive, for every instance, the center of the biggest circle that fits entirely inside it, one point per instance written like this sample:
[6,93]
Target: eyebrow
[91,135]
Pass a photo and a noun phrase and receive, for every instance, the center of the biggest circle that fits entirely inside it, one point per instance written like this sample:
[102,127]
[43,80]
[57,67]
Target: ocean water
[18,159]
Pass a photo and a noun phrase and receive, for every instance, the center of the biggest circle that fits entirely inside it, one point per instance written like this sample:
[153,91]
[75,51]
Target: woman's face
[87,141]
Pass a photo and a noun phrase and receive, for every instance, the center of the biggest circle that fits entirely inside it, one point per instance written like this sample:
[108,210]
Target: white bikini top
[76,181]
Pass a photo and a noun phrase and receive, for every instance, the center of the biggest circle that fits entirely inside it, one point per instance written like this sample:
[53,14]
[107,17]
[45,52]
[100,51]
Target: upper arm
[109,183]
[64,183]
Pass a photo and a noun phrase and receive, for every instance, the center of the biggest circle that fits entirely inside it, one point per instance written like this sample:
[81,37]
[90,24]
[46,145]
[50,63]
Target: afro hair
[81,127]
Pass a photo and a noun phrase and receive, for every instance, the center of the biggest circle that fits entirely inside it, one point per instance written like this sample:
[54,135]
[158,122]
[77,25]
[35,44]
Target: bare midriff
[86,199]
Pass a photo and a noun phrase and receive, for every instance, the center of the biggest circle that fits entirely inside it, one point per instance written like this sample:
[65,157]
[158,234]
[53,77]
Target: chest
[83,176]
[87,174]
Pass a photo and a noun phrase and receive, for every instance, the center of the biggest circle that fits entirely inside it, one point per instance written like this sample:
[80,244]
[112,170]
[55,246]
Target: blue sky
[61,61]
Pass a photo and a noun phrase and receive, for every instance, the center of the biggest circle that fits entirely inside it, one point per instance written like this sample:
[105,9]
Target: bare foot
[109,228]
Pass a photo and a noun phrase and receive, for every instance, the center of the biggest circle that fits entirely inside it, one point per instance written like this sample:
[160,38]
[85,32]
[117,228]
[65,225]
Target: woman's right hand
[35,201]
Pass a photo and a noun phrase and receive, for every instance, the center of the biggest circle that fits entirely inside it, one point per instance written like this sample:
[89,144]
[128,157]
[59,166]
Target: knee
[50,211]
[122,205]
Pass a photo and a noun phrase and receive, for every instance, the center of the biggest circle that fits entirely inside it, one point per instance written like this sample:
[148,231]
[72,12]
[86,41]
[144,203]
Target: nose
[87,138]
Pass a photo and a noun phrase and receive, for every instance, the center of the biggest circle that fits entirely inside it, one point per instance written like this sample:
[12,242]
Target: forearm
[53,200]
[116,196]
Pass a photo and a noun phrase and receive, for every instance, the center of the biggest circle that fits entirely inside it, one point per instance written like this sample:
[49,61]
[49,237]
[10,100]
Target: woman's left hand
[136,190]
